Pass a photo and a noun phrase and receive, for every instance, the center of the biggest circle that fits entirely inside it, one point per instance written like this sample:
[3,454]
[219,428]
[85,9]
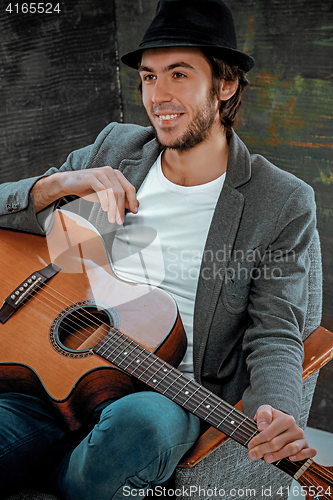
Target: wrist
[47,190]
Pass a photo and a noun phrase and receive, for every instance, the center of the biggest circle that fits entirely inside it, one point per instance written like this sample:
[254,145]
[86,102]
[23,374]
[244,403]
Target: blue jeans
[134,442]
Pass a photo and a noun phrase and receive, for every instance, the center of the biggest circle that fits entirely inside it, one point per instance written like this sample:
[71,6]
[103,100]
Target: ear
[228,89]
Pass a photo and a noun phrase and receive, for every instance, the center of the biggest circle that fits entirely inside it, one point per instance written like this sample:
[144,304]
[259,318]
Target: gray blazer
[253,286]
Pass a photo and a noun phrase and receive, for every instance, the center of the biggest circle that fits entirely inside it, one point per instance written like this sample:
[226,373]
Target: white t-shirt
[163,243]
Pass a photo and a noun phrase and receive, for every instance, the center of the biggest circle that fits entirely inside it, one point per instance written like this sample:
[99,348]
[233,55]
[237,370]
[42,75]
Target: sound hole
[83,328]
[80,327]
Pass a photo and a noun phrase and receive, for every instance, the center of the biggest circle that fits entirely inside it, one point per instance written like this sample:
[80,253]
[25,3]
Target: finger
[264,416]
[108,203]
[116,196]
[278,426]
[101,192]
[131,200]
[303,454]
[300,448]
[290,443]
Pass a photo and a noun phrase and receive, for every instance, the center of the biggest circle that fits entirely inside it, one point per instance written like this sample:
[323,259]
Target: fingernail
[251,446]
[120,220]
[293,458]
[106,208]
[269,458]
[135,209]
[262,425]
[252,456]
[112,219]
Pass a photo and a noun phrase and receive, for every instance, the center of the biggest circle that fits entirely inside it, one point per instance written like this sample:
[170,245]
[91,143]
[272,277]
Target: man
[197,185]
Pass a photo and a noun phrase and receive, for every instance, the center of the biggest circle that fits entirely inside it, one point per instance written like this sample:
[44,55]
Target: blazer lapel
[136,170]
[219,246]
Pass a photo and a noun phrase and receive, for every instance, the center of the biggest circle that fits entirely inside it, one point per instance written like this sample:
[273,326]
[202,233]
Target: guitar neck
[145,366]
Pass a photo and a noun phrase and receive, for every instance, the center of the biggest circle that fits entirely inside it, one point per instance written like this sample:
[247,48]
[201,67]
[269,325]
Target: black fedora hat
[192,23]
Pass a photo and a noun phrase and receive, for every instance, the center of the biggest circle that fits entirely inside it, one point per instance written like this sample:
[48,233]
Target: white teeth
[168,117]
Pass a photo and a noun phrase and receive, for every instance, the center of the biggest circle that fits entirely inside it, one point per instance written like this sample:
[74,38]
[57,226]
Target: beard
[197,131]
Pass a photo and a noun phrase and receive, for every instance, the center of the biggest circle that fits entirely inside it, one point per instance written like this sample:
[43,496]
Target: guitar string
[242,418]
[288,466]
[85,337]
[108,328]
[179,386]
[328,474]
[198,401]
[285,464]
[305,481]
[291,464]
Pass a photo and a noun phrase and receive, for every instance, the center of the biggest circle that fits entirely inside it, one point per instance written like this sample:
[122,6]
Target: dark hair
[222,70]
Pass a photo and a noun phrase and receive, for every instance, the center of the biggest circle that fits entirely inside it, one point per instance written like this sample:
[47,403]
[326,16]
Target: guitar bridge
[26,290]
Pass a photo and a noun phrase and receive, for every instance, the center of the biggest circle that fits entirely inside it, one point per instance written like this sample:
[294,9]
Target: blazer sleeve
[17,210]
[277,306]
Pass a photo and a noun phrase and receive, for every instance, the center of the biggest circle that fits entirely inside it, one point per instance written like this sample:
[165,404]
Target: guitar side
[38,356]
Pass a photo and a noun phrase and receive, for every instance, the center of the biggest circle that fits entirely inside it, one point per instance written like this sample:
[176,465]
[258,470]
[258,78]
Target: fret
[105,344]
[168,388]
[127,354]
[181,389]
[222,421]
[170,382]
[151,364]
[167,380]
[163,378]
[191,395]
[231,434]
[214,409]
[252,435]
[140,365]
[201,403]
[155,381]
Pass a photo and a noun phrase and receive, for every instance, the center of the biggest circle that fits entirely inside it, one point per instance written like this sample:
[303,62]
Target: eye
[148,77]
[179,75]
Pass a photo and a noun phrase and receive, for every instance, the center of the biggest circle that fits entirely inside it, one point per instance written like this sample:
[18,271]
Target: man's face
[177,95]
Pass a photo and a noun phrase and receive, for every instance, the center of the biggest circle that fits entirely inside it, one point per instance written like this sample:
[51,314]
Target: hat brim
[232,56]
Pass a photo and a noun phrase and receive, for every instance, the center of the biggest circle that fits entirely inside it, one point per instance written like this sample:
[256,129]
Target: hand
[279,437]
[103,184]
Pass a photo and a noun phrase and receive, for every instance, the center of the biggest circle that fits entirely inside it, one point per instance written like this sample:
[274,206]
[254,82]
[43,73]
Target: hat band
[185,35]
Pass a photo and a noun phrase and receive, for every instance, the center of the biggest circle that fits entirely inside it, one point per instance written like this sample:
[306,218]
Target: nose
[161,91]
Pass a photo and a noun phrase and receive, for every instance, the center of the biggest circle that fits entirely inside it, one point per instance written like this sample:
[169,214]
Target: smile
[169,117]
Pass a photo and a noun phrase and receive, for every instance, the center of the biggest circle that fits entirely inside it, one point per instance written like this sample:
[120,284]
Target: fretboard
[137,361]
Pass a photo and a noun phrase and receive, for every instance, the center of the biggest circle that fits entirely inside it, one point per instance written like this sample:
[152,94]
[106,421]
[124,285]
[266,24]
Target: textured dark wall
[58,84]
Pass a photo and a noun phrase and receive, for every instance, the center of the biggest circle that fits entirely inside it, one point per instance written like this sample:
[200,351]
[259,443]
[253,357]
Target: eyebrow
[180,64]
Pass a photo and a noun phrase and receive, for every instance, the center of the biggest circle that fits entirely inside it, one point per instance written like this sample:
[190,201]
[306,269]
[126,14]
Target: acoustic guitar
[73,332]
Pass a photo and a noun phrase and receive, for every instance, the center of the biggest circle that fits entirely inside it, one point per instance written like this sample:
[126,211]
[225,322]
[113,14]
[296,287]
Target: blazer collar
[239,162]
[219,245]
[136,170]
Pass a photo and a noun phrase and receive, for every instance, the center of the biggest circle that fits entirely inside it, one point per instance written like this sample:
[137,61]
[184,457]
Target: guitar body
[46,344]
